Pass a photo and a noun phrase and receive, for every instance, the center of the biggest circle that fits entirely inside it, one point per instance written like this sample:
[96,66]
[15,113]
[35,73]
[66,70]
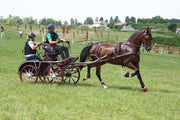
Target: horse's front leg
[137,72]
[98,73]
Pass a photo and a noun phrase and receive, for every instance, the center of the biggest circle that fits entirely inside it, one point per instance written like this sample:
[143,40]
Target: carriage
[126,53]
[49,69]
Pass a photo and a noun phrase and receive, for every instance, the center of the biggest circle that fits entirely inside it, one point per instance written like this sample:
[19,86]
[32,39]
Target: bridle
[145,39]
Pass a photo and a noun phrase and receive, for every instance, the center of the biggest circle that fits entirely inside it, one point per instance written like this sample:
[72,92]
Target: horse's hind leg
[88,73]
[137,72]
[98,73]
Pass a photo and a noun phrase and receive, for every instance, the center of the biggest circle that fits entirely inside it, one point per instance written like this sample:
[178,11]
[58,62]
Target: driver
[30,48]
[52,37]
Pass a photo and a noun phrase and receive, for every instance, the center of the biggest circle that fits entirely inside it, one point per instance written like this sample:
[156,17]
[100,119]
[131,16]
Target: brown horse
[128,52]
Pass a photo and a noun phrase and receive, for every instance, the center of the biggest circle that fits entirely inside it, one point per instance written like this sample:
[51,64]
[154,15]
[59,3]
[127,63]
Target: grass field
[122,100]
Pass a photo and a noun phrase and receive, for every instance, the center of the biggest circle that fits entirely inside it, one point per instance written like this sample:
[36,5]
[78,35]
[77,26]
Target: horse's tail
[85,54]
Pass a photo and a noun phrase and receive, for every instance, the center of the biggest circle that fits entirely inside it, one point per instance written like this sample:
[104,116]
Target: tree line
[157,19]
[30,20]
[89,20]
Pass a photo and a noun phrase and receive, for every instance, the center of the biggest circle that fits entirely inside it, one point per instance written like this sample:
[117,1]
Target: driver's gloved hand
[67,42]
[59,41]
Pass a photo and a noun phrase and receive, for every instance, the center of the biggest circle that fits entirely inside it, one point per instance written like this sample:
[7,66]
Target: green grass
[123,99]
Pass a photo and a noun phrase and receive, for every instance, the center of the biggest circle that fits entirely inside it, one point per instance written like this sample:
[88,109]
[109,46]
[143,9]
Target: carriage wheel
[41,78]
[53,74]
[29,73]
[71,75]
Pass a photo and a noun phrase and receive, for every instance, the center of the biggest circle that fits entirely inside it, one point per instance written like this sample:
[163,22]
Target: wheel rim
[53,74]
[71,75]
[29,74]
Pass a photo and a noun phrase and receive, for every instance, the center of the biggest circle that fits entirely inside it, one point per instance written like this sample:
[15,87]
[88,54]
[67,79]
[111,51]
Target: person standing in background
[2,31]
[20,34]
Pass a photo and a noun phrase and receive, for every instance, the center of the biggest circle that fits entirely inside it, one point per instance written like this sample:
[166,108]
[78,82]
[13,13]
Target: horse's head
[147,37]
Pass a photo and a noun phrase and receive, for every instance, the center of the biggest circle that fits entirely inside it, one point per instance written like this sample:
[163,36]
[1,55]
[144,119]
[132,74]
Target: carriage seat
[49,52]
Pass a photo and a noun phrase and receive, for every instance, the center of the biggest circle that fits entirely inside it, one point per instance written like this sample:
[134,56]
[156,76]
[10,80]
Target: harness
[118,48]
[95,51]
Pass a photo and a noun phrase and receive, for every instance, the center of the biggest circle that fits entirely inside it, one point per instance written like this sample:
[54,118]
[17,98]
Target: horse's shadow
[111,87]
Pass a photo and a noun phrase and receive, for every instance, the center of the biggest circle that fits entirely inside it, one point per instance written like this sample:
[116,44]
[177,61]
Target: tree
[101,19]
[29,20]
[106,20]
[72,21]
[172,27]
[111,25]
[59,22]
[76,21]
[43,21]
[2,20]
[15,19]
[88,20]
[65,22]
[127,19]
[133,19]
[96,19]
[158,19]
[111,20]
[173,20]
[50,20]
[116,19]
[79,23]
[10,15]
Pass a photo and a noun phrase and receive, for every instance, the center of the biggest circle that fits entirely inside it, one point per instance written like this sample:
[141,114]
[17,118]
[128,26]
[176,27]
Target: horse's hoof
[145,90]
[104,86]
[85,78]
[127,74]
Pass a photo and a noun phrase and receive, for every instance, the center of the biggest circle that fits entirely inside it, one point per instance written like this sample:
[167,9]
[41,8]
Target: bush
[172,27]
[111,25]
[175,41]
[152,25]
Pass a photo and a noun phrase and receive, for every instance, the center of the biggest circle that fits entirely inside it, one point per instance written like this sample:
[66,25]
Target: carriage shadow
[70,84]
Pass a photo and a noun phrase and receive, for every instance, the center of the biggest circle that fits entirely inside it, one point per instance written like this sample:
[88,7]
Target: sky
[81,9]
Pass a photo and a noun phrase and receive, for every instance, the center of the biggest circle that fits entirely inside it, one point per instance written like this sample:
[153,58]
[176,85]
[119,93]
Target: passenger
[30,47]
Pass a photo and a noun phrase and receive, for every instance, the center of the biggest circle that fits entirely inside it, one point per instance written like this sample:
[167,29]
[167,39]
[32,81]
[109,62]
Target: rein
[133,45]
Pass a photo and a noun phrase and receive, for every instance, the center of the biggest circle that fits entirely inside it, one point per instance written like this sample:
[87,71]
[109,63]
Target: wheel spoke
[25,70]
[24,74]
[73,79]
[74,72]
[32,70]
[52,68]
[48,71]
[35,74]
[34,78]
[65,78]
[56,70]
[74,76]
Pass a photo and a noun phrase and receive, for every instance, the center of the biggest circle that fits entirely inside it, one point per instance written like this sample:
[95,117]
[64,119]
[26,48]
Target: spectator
[2,31]
[20,34]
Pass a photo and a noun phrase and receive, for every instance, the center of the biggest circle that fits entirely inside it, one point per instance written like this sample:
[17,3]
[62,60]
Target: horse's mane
[133,36]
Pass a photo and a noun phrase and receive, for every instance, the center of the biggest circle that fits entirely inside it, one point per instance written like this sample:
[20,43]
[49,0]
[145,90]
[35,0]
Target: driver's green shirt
[49,36]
